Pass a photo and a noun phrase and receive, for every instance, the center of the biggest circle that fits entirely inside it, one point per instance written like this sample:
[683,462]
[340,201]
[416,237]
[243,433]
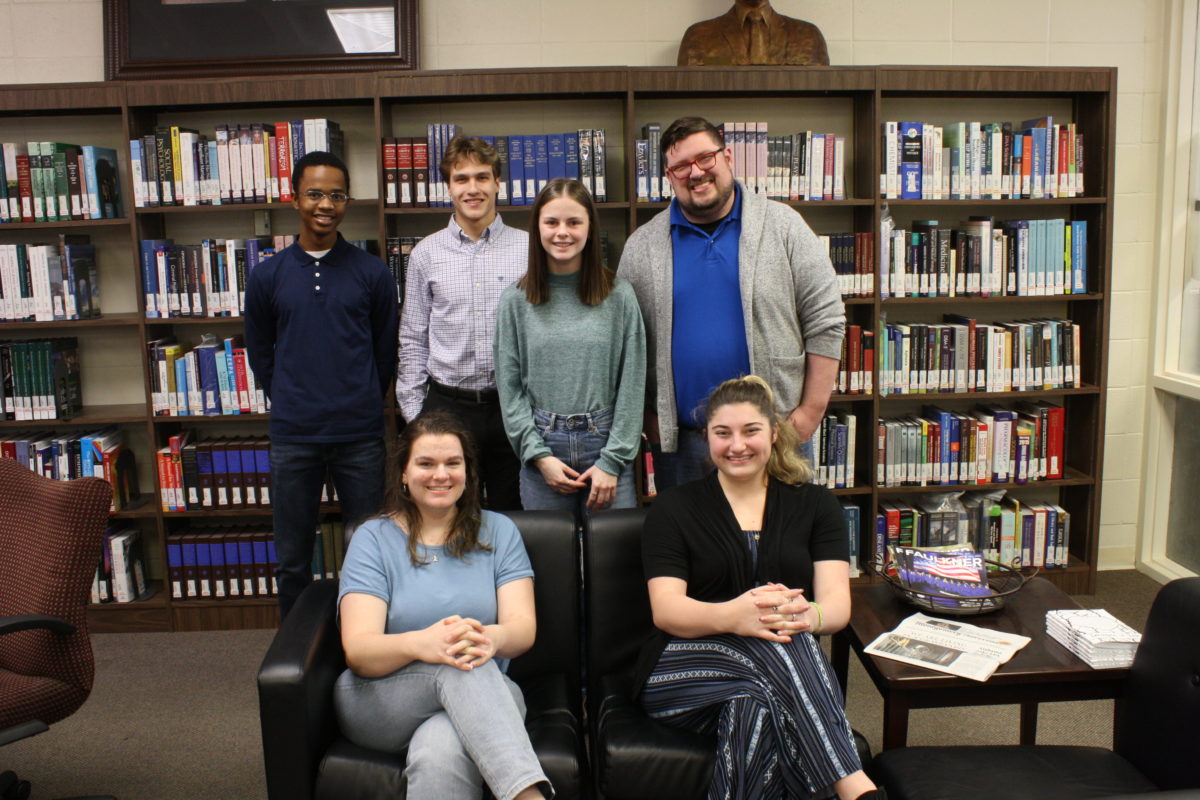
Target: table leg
[895,723]
[839,651]
[1029,715]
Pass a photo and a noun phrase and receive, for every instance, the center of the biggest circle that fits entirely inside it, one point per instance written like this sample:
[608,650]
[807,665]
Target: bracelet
[820,617]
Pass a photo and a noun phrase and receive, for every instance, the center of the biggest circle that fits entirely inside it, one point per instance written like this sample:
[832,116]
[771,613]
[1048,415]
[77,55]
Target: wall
[50,41]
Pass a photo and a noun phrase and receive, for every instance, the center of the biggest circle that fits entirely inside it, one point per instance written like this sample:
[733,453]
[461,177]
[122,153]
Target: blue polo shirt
[708,334]
[321,336]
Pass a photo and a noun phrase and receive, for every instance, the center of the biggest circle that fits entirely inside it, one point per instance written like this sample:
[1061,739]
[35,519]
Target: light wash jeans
[460,728]
[576,440]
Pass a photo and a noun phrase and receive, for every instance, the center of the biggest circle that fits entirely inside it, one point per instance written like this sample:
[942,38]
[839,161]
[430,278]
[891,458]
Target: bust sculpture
[753,33]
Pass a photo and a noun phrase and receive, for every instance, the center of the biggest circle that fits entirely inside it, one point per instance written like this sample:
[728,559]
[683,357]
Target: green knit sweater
[569,358]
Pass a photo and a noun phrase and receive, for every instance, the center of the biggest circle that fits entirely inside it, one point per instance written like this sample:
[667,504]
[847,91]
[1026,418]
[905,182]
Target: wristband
[820,617]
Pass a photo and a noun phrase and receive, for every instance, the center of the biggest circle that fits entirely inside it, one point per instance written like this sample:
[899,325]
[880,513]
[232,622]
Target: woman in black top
[743,567]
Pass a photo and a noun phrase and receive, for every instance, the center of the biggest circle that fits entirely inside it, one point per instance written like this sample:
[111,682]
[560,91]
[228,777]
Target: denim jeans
[690,460]
[576,440]
[297,474]
[461,728]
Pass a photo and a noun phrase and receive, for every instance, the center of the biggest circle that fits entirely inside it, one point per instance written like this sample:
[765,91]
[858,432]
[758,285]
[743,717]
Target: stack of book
[857,365]
[834,443]
[1038,158]
[56,182]
[1095,636]
[399,249]
[413,178]
[202,280]
[211,379]
[64,457]
[982,257]
[218,562]
[39,379]
[853,258]
[49,282]
[240,163]
[121,575]
[962,354]
[214,474]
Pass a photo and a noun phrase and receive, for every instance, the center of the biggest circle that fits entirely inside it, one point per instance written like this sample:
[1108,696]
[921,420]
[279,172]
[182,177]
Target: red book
[868,375]
[239,371]
[391,197]
[420,173]
[854,368]
[25,188]
[283,160]
[404,172]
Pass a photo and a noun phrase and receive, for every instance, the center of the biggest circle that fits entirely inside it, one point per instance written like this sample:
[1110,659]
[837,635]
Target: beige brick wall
[47,40]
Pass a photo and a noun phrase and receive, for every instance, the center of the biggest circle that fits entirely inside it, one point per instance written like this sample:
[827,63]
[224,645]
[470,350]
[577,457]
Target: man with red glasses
[730,283]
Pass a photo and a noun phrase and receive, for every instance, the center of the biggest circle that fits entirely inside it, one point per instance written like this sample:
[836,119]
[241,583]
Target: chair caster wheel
[17,791]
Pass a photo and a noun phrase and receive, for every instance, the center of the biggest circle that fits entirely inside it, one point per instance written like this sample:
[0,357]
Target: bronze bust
[753,33]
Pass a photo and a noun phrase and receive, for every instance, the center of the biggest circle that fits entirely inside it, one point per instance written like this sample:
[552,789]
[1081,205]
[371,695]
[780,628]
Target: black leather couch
[1156,738]
[305,754]
[633,756]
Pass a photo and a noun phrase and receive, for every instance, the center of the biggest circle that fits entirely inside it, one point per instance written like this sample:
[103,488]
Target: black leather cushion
[350,772]
[1006,773]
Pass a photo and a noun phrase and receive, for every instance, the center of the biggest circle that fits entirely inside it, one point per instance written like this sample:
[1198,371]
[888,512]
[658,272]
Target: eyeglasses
[704,161]
[316,196]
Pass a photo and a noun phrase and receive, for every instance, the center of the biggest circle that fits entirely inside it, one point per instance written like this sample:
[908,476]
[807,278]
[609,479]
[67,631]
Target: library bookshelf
[851,101]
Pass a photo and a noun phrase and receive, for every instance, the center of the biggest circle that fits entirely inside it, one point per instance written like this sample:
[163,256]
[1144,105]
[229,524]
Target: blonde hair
[785,463]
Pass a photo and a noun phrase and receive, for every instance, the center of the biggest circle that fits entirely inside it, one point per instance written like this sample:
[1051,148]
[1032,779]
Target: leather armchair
[306,756]
[1156,733]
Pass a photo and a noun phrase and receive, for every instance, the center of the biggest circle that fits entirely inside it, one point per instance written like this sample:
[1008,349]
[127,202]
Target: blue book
[1079,257]
[232,453]
[206,369]
[262,563]
[155,294]
[175,567]
[529,147]
[181,388]
[103,181]
[262,466]
[516,170]
[249,472]
[556,153]
[272,563]
[214,174]
[220,474]
[298,149]
[246,560]
[910,160]
[541,155]
[188,547]
[571,140]
[203,566]
[1038,130]
[1018,146]
[216,557]
[221,363]
[232,567]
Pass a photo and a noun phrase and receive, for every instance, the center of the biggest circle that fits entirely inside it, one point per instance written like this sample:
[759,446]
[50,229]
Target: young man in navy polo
[321,327]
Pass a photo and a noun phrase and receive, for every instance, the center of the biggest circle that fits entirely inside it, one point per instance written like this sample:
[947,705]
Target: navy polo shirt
[708,334]
[321,336]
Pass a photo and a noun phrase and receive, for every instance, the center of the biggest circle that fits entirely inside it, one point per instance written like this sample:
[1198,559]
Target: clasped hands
[773,612]
[564,480]
[459,642]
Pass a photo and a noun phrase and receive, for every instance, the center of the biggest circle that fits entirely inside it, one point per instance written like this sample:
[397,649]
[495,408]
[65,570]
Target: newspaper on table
[948,646]
[1094,635]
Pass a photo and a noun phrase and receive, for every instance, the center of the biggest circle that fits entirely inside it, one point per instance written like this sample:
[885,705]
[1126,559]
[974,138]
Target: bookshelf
[851,101]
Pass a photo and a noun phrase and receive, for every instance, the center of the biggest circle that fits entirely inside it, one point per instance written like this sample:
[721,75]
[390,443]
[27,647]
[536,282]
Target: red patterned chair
[50,538]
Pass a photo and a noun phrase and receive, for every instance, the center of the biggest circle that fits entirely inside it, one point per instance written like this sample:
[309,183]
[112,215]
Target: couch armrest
[28,622]
[295,693]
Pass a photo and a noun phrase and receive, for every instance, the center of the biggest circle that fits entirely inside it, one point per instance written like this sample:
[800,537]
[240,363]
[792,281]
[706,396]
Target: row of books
[857,366]
[62,457]
[965,355]
[49,282]
[799,166]
[39,379]
[201,280]
[194,475]
[833,445]
[399,250]
[239,163]
[121,574]
[1036,159]
[853,257]
[213,378]
[53,182]
[988,444]
[1006,530]
[219,562]
[985,258]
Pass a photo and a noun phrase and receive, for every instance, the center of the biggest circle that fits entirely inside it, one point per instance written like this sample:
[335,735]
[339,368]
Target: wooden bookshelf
[853,101]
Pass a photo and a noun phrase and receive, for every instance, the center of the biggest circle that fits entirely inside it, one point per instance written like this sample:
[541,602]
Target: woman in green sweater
[571,363]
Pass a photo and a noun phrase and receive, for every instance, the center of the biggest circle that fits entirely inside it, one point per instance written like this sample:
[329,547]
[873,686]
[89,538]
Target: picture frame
[214,38]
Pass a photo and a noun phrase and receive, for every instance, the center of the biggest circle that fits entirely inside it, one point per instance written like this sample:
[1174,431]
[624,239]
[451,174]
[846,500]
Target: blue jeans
[461,728]
[576,440]
[297,474]
[690,461]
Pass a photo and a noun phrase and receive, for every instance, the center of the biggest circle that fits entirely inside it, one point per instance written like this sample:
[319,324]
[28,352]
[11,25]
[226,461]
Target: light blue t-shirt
[377,564]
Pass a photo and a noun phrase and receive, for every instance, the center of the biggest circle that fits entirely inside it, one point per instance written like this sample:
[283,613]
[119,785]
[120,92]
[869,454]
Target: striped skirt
[781,729]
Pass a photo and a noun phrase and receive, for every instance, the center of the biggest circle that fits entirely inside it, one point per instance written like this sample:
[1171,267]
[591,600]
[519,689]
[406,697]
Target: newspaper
[948,646]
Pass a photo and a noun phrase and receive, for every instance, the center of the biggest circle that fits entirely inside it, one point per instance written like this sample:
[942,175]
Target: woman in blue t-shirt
[436,596]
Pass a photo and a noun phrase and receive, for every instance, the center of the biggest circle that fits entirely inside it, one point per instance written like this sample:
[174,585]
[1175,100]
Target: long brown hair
[463,537]
[785,464]
[595,280]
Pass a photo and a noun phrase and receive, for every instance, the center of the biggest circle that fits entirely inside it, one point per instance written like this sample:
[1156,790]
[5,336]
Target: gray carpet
[175,716]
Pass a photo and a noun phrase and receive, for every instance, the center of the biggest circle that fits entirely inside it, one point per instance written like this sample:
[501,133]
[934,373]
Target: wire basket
[1004,582]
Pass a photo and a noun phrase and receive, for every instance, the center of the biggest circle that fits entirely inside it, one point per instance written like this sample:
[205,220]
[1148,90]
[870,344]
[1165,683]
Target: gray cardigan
[790,300]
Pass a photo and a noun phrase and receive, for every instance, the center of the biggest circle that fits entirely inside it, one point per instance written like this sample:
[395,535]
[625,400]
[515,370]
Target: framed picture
[204,38]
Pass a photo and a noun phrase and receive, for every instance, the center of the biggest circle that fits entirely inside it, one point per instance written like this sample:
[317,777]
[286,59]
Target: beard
[704,207]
